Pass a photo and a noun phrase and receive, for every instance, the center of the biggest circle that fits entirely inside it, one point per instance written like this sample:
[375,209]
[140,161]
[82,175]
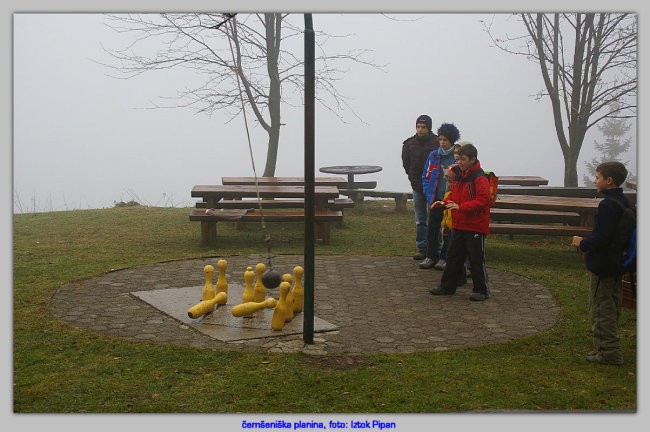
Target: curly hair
[450,131]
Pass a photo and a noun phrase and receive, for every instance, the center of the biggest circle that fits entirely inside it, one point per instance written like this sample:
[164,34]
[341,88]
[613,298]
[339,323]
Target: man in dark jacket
[415,151]
[605,285]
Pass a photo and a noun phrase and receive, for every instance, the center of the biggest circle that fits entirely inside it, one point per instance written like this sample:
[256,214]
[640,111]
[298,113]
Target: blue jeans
[420,210]
[434,234]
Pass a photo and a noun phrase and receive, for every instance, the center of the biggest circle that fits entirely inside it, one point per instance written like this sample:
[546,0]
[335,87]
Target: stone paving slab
[378,304]
[221,324]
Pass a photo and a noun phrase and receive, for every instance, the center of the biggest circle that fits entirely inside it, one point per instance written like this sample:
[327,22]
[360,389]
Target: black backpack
[622,251]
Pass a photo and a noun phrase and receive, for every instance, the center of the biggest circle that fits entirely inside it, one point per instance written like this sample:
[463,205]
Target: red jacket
[473,199]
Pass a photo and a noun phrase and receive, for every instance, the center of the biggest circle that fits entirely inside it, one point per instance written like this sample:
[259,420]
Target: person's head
[447,135]
[423,125]
[467,156]
[457,147]
[609,175]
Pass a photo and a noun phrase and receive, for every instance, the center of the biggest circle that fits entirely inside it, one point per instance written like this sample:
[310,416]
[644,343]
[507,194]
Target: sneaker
[440,265]
[599,359]
[427,263]
[439,291]
[420,255]
[478,296]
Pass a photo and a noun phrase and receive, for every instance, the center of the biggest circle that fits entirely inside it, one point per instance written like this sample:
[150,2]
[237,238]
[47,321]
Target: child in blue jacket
[605,285]
[434,186]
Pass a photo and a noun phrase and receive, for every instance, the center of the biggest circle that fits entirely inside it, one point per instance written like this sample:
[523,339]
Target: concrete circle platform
[363,305]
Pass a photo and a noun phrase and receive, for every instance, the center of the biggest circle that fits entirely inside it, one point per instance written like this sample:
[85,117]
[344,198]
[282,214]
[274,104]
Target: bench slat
[550,230]
[333,204]
[272,216]
[544,216]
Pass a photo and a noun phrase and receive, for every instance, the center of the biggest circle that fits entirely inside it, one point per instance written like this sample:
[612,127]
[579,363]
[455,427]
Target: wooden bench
[525,215]
[560,191]
[322,219]
[400,198]
[287,203]
[547,229]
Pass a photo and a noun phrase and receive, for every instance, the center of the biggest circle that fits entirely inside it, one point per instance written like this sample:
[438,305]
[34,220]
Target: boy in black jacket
[415,151]
[605,287]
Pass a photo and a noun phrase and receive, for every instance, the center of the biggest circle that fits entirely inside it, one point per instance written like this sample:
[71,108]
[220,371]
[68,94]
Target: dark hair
[450,131]
[615,170]
[468,150]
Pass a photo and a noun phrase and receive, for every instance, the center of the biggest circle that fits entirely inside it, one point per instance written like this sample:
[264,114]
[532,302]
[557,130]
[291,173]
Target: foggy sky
[83,140]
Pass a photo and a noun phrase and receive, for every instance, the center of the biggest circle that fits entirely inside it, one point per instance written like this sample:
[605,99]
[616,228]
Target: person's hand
[452,205]
[576,241]
[437,204]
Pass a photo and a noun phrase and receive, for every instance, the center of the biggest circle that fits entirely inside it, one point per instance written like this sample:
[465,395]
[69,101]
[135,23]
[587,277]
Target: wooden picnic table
[523,180]
[585,207]
[339,182]
[212,194]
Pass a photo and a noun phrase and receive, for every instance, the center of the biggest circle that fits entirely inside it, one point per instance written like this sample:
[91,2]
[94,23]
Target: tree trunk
[273,38]
[272,152]
[570,167]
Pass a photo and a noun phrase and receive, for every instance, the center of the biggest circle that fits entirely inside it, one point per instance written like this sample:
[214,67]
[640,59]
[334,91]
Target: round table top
[351,169]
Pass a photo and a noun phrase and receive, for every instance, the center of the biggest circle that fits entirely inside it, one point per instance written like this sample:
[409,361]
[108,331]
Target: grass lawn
[61,369]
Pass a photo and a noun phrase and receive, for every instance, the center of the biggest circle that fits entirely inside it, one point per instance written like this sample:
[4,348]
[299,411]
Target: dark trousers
[434,233]
[468,244]
[604,309]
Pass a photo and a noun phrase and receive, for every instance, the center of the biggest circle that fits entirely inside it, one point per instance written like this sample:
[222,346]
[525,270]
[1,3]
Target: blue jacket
[595,246]
[433,180]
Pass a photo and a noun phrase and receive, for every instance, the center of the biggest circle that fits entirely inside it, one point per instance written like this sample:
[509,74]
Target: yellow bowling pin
[280,312]
[288,278]
[259,292]
[206,306]
[222,282]
[247,309]
[208,288]
[298,292]
[249,275]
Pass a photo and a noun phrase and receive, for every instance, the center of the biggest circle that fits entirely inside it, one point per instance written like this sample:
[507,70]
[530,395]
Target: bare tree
[588,61]
[245,62]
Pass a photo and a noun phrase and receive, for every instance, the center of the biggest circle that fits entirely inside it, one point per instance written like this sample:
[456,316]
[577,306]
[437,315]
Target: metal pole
[308,309]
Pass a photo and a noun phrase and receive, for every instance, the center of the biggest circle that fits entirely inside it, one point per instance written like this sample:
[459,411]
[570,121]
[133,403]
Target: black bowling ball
[271,279]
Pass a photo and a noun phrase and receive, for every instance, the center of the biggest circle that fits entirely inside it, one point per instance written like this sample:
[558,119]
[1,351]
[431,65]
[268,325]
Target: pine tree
[615,144]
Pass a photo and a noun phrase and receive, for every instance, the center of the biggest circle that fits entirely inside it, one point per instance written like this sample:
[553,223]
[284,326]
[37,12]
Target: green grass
[61,369]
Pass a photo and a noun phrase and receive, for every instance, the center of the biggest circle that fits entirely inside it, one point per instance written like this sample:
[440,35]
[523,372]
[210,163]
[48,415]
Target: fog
[83,139]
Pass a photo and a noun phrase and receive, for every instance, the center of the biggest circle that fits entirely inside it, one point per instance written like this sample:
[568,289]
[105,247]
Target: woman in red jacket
[469,202]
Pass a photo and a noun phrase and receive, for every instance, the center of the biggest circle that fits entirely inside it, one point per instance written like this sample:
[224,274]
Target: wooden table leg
[208,233]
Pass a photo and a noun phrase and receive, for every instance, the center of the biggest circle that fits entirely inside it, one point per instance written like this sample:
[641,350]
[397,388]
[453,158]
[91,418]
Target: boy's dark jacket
[415,151]
[595,246]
